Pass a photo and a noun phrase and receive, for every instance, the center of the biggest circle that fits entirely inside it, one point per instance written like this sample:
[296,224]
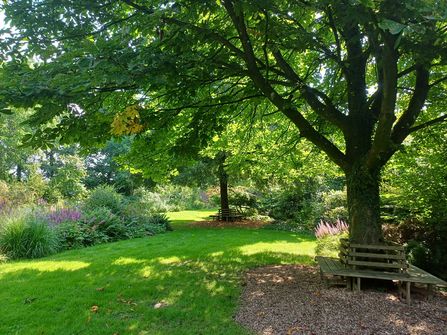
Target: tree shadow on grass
[186,283]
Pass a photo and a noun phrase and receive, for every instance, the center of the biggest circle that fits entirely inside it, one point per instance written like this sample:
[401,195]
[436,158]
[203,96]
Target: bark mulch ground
[292,300]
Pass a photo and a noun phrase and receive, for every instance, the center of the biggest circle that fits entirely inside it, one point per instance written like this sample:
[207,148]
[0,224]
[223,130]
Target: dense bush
[281,225]
[147,202]
[299,204]
[72,235]
[104,225]
[244,199]
[182,197]
[145,226]
[334,206]
[27,236]
[104,196]
[425,242]
[160,220]
[329,245]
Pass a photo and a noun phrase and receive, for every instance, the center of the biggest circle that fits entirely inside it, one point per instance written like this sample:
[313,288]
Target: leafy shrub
[285,226]
[160,220]
[104,225]
[27,237]
[298,204]
[104,196]
[329,245]
[335,205]
[73,235]
[3,258]
[425,240]
[147,202]
[180,197]
[418,254]
[142,226]
[244,199]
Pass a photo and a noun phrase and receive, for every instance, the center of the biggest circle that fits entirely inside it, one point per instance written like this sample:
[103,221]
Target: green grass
[179,219]
[197,272]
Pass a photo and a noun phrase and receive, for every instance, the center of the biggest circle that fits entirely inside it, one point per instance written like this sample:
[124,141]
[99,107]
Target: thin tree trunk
[19,172]
[364,205]
[223,183]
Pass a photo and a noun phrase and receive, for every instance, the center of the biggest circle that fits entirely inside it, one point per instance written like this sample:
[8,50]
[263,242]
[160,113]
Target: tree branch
[428,123]
[312,95]
[438,81]
[284,105]
[409,116]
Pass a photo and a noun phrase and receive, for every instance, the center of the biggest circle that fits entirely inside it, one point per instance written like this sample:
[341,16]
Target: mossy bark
[364,205]
[223,183]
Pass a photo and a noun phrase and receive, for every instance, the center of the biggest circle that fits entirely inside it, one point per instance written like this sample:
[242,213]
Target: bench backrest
[227,211]
[390,257]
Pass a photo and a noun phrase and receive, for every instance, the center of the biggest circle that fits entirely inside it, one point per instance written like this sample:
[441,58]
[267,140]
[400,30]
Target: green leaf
[6,111]
[392,26]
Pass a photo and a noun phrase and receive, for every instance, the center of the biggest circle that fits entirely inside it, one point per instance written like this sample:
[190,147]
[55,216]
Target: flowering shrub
[63,215]
[326,229]
[329,236]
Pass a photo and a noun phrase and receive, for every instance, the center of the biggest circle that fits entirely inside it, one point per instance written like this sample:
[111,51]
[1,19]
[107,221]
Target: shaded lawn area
[194,274]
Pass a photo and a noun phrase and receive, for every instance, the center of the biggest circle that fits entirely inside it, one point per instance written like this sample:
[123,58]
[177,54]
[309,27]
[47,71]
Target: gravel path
[291,300]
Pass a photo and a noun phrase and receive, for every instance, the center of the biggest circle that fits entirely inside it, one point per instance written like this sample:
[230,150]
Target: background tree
[103,168]
[355,77]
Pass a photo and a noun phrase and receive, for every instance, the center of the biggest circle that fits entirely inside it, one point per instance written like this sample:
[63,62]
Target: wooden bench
[226,215]
[384,262]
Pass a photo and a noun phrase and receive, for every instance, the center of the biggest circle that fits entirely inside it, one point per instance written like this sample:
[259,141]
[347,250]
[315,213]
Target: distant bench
[226,215]
[385,262]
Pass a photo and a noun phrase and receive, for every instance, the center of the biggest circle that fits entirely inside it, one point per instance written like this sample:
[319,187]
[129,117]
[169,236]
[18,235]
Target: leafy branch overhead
[354,77]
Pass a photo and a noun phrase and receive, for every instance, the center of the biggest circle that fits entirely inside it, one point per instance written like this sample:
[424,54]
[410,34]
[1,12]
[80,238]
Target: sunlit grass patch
[182,282]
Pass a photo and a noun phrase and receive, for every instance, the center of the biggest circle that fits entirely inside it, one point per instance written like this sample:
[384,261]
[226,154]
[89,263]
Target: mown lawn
[194,274]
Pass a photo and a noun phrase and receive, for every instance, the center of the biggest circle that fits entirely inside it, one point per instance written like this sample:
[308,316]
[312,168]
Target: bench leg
[349,283]
[408,293]
[358,284]
[430,290]
[323,279]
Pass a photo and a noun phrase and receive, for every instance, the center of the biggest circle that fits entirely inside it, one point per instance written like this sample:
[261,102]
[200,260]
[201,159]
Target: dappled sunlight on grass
[147,271]
[168,260]
[127,260]
[303,248]
[43,266]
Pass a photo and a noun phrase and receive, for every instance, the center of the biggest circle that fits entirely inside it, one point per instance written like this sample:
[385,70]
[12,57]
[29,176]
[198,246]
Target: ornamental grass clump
[27,236]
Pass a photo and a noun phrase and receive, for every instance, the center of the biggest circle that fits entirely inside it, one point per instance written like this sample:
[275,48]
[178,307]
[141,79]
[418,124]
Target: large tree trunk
[364,205]
[223,183]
